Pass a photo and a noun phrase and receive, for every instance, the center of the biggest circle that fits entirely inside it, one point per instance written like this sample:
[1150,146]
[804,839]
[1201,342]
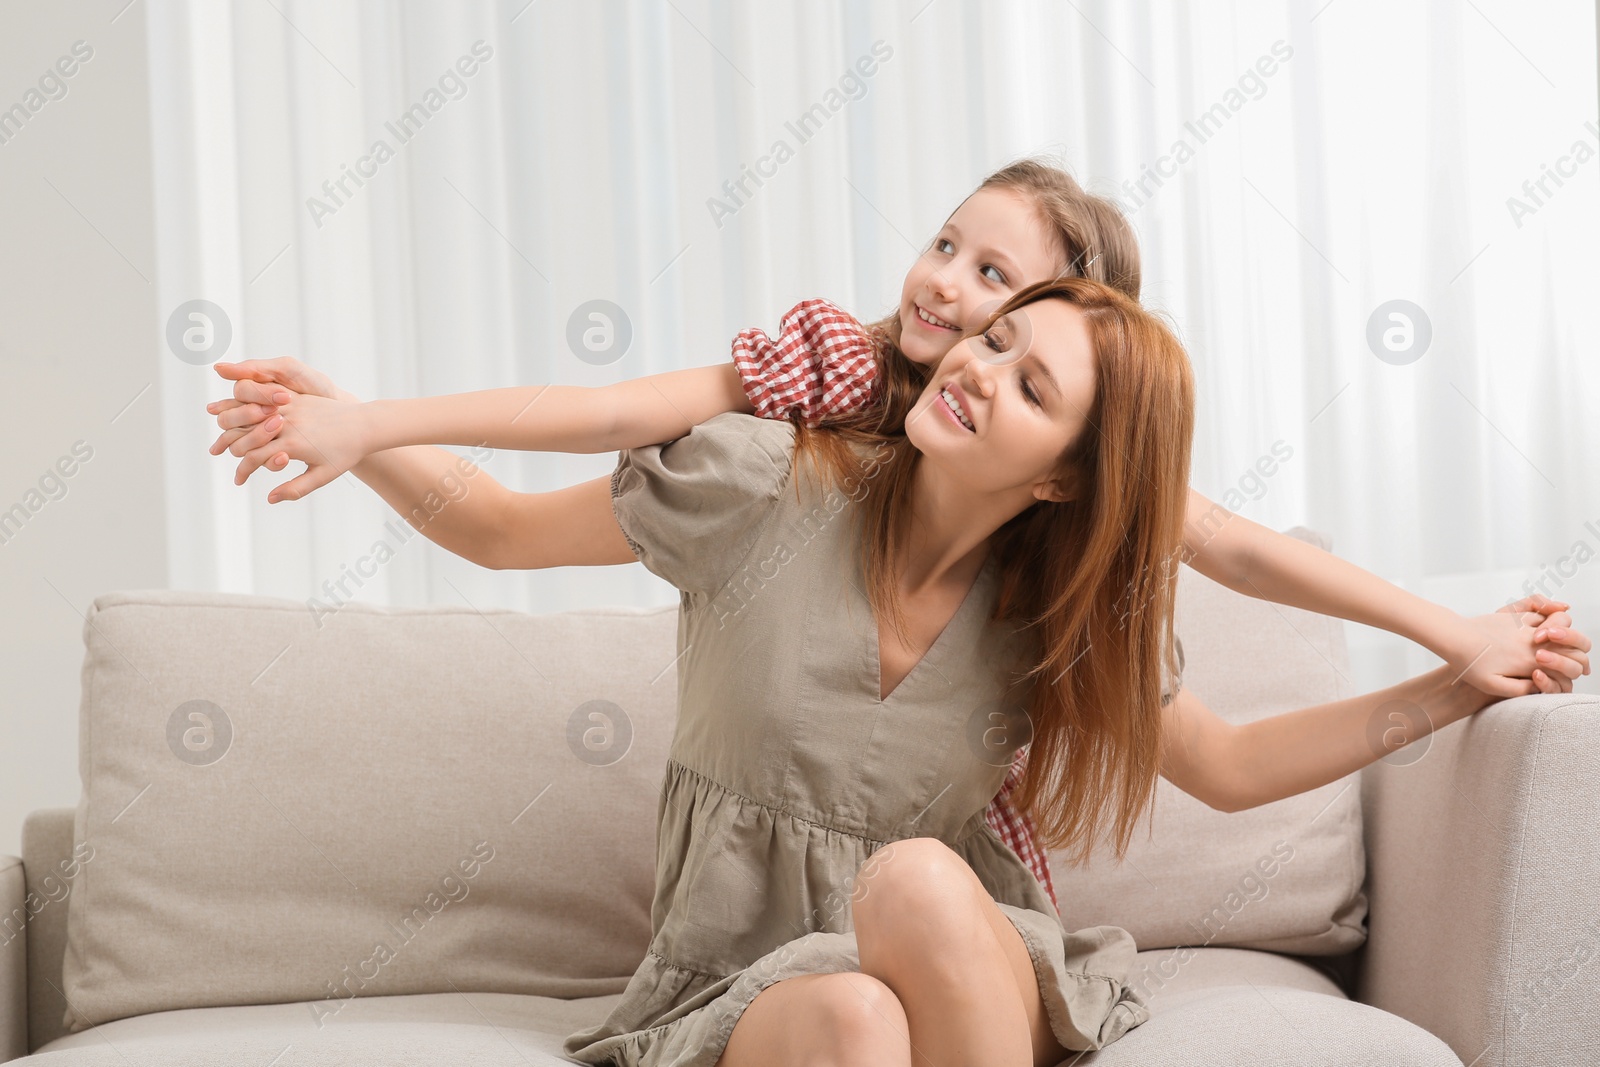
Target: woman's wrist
[1447,699]
[369,417]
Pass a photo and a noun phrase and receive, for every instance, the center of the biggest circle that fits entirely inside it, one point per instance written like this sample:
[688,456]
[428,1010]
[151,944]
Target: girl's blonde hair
[1090,578]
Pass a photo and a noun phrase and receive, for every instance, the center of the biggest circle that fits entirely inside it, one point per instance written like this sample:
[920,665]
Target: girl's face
[993,245]
[1001,408]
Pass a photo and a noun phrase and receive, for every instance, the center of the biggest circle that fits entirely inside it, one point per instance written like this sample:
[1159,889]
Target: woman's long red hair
[1090,579]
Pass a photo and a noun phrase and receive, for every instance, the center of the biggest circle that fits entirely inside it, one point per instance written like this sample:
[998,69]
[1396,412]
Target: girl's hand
[242,417]
[328,436]
[1525,647]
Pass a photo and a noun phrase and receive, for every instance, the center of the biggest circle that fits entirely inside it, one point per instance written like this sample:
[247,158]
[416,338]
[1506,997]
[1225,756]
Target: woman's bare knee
[821,1020]
[916,894]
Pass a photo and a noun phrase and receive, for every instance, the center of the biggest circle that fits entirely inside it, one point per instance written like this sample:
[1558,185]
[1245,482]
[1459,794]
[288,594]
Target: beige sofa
[426,836]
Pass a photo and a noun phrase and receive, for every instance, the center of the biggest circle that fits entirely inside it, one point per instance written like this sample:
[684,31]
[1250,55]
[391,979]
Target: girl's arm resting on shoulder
[572,527]
[561,418]
[1235,766]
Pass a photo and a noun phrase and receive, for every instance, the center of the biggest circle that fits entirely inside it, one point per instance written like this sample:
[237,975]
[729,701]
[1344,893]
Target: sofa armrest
[13,960]
[1483,883]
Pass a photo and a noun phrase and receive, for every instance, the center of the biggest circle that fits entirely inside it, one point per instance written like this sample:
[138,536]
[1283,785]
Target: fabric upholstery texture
[369,756]
[1284,876]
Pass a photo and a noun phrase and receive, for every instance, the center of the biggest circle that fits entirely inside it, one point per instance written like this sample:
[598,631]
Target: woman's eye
[1000,278]
[1033,398]
[990,340]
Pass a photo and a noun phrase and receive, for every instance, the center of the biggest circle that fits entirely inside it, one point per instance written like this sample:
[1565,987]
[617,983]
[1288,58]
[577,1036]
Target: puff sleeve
[822,363]
[1172,673]
[693,509]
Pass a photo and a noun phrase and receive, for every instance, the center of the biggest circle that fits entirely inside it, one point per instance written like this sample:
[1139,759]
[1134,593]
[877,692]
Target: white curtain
[1291,169]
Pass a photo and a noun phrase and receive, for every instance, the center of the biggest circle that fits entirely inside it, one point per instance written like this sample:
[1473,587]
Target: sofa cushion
[417,1030]
[345,772]
[286,807]
[1285,876]
[1223,1006]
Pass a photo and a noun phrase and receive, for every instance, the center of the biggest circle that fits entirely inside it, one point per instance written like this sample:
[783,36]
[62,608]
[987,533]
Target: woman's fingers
[1567,662]
[256,447]
[228,437]
[245,415]
[308,481]
[1559,683]
[243,438]
[257,436]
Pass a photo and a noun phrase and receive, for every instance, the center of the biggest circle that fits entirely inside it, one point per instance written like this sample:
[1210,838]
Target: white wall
[77,325]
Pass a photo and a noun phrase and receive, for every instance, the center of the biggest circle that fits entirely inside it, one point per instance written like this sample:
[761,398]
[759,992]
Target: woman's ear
[1059,489]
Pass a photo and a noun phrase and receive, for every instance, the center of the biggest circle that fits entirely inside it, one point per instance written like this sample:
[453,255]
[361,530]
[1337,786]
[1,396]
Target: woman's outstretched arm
[1495,653]
[572,527]
[1232,767]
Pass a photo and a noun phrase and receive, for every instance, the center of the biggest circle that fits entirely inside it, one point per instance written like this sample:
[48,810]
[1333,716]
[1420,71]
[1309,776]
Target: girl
[1025,223]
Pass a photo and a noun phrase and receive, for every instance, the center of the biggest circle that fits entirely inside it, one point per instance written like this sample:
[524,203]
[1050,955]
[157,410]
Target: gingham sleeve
[1172,673]
[822,363]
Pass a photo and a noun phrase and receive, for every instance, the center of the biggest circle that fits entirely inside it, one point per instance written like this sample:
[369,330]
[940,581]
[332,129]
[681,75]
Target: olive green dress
[787,771]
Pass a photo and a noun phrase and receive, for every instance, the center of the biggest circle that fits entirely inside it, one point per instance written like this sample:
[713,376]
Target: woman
[827,886]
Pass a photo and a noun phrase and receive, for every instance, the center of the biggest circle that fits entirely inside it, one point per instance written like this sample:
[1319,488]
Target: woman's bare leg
[929,930]
[821,1020]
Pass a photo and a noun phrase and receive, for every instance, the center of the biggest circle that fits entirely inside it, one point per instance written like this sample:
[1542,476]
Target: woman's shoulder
[691,508]
[737,429]
[752,456]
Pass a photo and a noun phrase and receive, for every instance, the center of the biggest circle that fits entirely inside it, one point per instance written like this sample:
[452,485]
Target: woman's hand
[271,420]
[243,417]
[1525,647]
[328,436]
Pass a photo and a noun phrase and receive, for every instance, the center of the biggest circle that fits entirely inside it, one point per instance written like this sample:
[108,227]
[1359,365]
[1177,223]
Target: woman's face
[1026,386]
[993,245]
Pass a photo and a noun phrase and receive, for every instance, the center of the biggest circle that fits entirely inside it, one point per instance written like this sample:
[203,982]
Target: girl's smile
[932,322]
[993,244]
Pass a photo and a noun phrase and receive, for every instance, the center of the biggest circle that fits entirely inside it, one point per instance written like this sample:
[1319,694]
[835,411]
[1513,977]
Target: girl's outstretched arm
[412,480]
[1235,766]
[415,478]
[1496,653]
[534,418]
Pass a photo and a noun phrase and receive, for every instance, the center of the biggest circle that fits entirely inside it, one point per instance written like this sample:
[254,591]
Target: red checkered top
[823,364]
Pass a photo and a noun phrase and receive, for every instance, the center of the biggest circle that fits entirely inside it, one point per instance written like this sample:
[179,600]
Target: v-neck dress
[786,771]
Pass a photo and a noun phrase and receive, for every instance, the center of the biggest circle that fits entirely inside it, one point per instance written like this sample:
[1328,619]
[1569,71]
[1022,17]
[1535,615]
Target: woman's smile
[952,401]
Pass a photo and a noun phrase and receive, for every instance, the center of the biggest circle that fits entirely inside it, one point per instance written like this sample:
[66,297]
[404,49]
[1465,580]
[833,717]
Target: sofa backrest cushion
[1285,876]
[397,800]
[284,807]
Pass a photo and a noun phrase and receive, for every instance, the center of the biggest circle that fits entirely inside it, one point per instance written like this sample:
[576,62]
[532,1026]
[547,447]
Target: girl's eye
[938,241]
[1000,279]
